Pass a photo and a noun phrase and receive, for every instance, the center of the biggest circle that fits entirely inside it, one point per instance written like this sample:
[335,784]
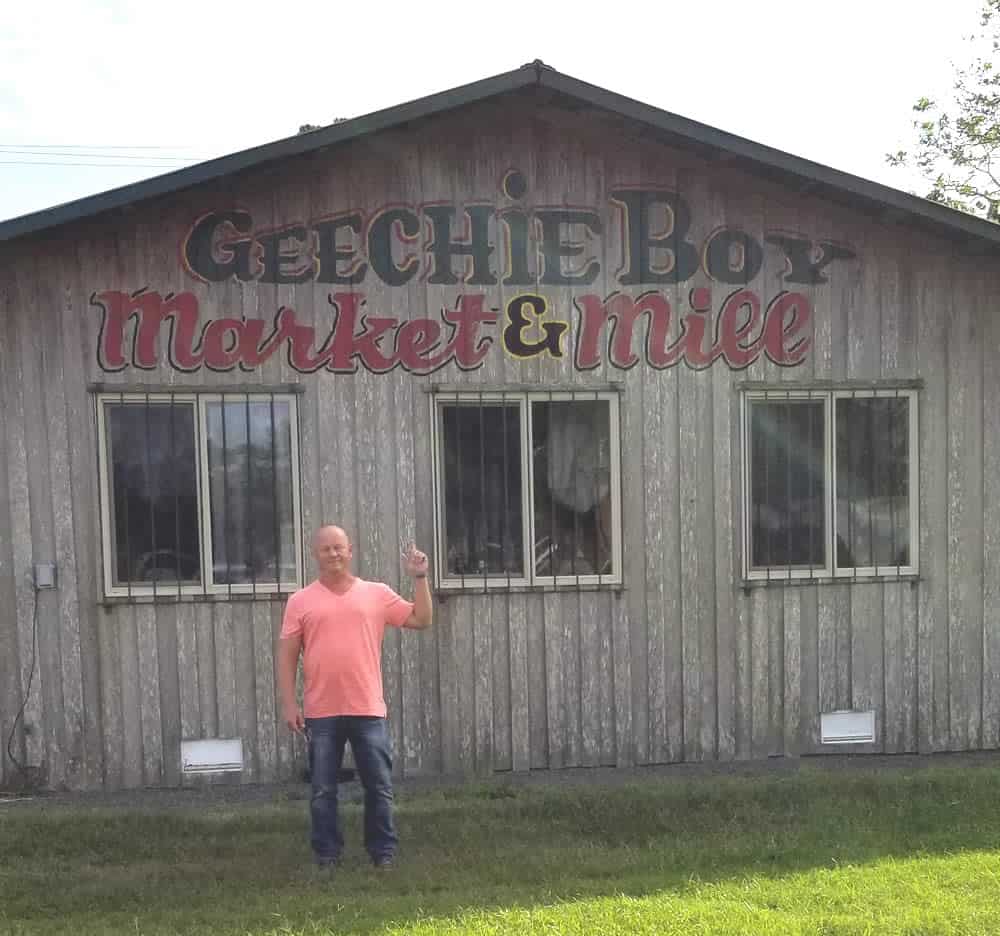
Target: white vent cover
[212,755]
[847,727]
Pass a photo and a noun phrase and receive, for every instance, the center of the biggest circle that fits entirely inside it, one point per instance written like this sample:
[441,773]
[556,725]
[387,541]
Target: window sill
[443,594]
[223,598]
[784,582]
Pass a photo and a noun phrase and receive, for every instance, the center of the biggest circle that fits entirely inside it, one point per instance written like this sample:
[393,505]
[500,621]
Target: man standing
[336,624]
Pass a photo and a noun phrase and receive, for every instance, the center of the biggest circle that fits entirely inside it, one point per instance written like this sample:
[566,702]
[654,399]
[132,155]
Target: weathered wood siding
[682,664]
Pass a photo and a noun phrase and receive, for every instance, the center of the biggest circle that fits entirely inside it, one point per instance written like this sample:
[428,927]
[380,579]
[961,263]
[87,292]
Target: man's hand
[415,562]
[293,718]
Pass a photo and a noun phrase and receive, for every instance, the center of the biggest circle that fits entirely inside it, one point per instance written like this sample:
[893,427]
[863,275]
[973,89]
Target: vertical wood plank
[809,704]
[205,647]
[264,690]
[81,439]
[592,622]
[792,666]
[520,717]
[626,748]
[225,670]
[245,670]
[147,647]
[554,682]
[900,668]
[500,670]
[284,747]
[775,657]
[132,699]
[698,569]
[538,713]
[167,654]
[63,551]
[482,684]
[408,421]
[867,644]
[991,519]
[570,616]
[10,678]
[725,457]
[27,521]
[112,722]
[187,672]
[760,673]
[965,515]
[932,289]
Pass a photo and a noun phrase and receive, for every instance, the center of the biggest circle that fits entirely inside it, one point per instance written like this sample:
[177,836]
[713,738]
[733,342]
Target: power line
[10,151]
[94,151]
[105,165]
[102,146]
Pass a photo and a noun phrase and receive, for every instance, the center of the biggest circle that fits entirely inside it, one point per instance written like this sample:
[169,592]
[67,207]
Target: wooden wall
[681,665]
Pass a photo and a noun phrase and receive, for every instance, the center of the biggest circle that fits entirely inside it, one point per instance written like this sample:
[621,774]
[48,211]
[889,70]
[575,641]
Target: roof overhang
[886,204]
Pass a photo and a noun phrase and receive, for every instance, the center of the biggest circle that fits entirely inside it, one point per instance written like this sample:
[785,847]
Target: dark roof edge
[895,201]
[807,170]
[268,152]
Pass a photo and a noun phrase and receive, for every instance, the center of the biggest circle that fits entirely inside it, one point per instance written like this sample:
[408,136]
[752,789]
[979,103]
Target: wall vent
[847,727]
[212,755]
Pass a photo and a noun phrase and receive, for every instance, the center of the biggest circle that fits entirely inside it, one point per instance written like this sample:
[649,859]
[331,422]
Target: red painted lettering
[734,331]
[787,329]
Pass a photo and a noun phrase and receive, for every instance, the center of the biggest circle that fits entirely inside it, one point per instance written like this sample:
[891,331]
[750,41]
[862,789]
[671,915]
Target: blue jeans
[369,740]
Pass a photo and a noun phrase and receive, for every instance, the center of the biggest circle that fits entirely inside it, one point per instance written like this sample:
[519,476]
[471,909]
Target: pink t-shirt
[342,645]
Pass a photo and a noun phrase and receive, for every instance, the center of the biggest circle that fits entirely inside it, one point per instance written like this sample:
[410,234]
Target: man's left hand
[415,562]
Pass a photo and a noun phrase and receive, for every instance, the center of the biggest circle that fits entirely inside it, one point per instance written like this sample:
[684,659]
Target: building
[697,433]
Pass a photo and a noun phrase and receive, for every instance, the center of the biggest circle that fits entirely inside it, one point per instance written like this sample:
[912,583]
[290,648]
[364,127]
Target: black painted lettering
[554,248]
[681,256]
[478,246]
[218,246]
[285,256]
[518,273]
[331,257]
[805,263]
[733,256]
[523,312]
[380,245]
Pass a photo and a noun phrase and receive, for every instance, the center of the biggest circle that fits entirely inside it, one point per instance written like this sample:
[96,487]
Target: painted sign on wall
[545,259]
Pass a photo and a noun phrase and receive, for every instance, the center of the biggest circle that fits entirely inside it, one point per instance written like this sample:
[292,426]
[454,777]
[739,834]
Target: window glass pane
[250,485]
[482,489]
[154,493]
[873,481]
[572,498]
[787,484]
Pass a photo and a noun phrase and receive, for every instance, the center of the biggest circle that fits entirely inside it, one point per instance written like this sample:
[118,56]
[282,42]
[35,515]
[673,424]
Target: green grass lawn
[815,852]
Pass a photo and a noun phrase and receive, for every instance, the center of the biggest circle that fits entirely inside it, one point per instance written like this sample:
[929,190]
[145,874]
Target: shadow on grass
[245,869]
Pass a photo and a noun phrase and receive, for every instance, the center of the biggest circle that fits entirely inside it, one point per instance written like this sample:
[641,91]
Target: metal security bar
[199,493]
[829,476]
[527,488]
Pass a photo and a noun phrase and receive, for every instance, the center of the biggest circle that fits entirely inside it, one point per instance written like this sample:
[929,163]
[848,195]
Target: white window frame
[830,569]
[528,578]
[199,403]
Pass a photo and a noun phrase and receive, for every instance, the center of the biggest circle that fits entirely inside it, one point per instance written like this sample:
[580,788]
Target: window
[830,483]
[199,493]
[527,489]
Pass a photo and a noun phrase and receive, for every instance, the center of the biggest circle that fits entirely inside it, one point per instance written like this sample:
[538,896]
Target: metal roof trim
[900,205]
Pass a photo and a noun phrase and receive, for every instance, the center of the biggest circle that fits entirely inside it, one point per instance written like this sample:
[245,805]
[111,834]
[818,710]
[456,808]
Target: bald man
[336,625]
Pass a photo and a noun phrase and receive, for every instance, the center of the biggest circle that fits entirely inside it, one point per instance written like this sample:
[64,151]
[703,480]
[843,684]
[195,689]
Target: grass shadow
[245,869]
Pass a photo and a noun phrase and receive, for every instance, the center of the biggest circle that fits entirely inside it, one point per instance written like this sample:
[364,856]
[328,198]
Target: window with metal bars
[830,483]
[200,493]
[527,488]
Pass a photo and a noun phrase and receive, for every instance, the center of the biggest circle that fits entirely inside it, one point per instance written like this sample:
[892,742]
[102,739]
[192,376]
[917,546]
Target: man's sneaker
[384,863]
[327,864]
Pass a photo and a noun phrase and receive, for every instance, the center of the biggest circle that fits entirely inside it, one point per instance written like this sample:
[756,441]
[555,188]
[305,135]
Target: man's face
[332,550]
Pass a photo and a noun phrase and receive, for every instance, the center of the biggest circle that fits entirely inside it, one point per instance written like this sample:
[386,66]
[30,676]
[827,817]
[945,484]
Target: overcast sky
[97,94]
